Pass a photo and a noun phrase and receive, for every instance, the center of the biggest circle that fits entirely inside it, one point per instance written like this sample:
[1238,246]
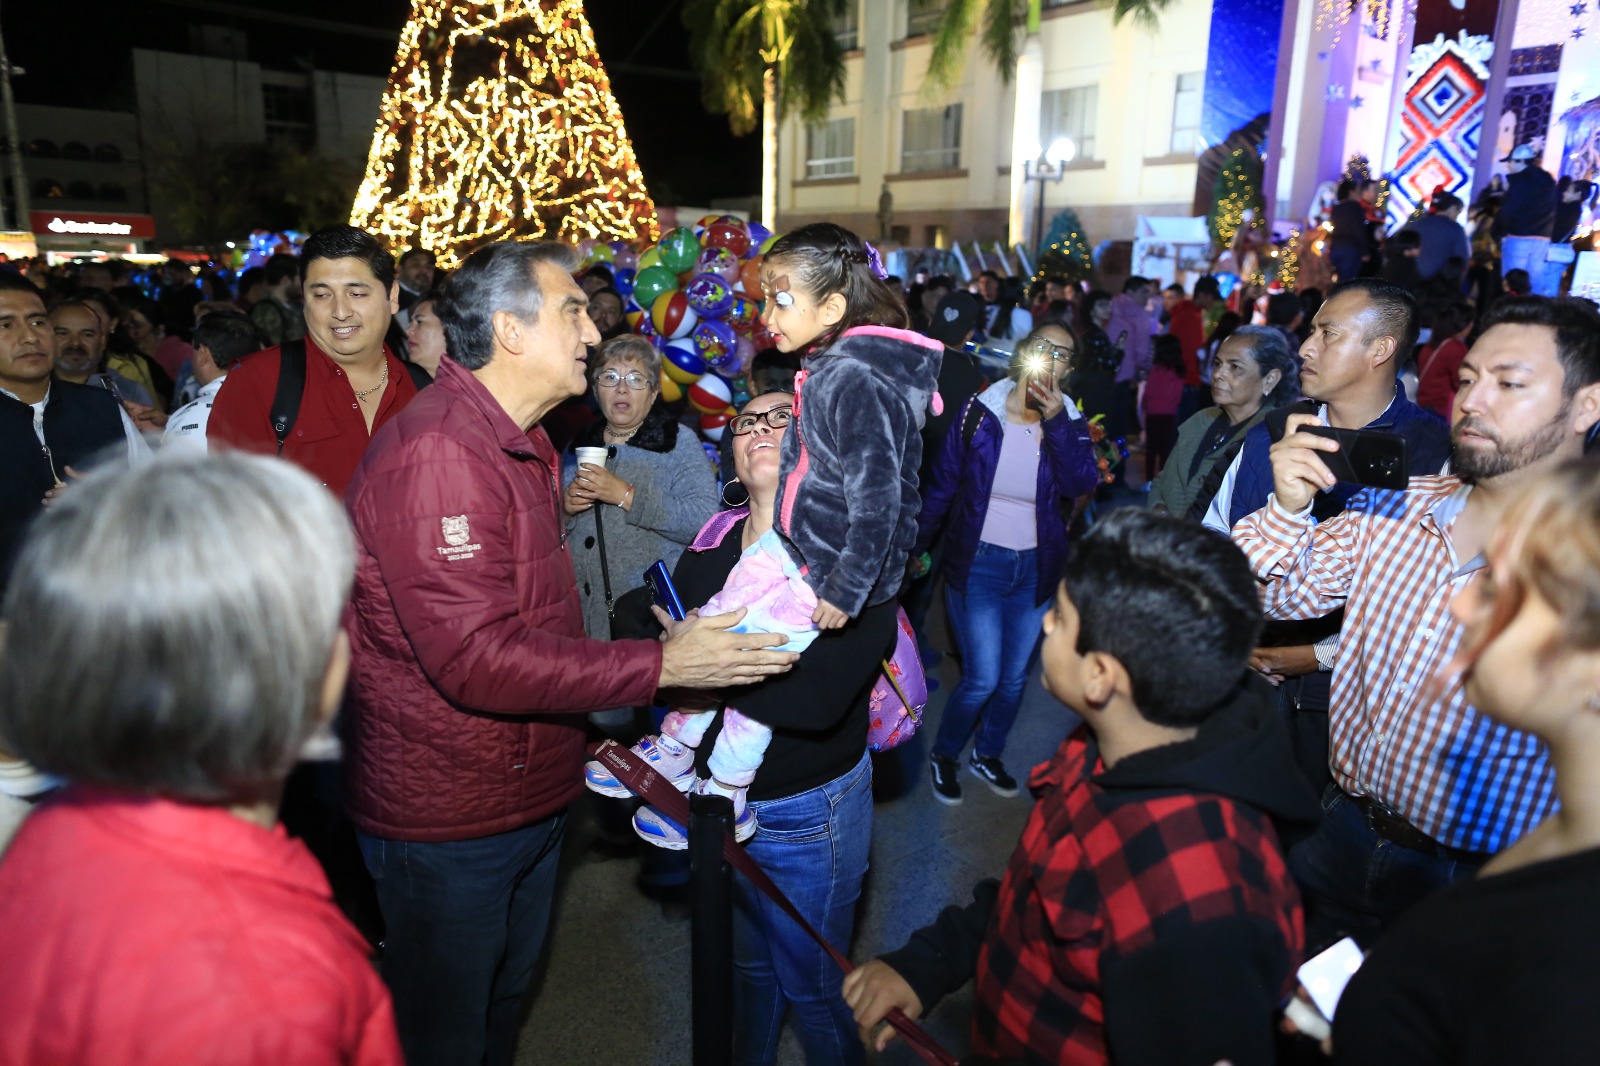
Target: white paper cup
[592,456]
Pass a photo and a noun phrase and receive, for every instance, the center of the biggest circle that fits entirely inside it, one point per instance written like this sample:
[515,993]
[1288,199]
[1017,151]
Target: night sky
[688,156]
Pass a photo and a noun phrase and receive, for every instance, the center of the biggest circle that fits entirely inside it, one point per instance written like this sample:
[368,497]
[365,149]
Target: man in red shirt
[353,382]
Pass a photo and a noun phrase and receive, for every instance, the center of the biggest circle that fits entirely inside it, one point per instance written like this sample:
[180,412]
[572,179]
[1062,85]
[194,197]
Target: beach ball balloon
[671,391]
[649,258]
[758,236]
[729,233]
[599,253]
[710,394]
[651,282]
[742,313]
[716,342]
[624,257]
[678,248]
[644,327]
[709,294]
[718,261]
[672,315]
[682,363]
[622,281]
[766,245]
[713,426]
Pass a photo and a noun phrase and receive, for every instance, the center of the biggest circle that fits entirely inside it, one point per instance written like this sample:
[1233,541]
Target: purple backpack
[901,692]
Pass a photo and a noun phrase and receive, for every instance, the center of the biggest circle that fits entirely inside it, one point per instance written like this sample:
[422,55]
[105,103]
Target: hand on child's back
[827,616]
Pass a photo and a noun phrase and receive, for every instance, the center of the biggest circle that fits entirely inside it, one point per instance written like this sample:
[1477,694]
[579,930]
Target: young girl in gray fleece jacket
[847,496]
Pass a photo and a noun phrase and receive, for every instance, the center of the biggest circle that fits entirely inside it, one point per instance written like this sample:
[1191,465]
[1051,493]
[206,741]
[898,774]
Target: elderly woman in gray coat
[653,494]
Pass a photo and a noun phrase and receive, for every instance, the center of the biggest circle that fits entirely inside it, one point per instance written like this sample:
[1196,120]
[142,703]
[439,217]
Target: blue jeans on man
[814,846]
[466,922]
[1355,883]
[1531,254]
[996,624]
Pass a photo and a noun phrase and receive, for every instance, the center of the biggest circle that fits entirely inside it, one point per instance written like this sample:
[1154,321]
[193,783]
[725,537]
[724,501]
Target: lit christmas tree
[499,123]
[1237,190]
[1065,252]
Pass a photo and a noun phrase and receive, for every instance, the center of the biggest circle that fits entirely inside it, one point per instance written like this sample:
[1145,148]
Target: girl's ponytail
[825,258]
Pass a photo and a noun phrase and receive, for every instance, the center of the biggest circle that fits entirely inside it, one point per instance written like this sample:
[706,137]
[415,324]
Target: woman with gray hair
[1253,372]
[651,497]
[152,911]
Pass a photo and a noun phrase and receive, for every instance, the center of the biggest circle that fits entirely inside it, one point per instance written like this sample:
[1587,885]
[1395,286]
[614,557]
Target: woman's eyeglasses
[610,379]
[776,418]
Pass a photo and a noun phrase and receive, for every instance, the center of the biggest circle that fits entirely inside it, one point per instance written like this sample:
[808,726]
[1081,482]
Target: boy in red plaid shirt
[1147,915]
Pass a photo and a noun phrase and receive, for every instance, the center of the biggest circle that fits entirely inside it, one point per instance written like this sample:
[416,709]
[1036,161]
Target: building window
[922,16]
[113,193]
[48,189]
[831,149]
[107,153]
[846,26]
[1186,114]
[80,190]
[287,109]
[43,149]
[1070,113]
[76,151]
[931,139]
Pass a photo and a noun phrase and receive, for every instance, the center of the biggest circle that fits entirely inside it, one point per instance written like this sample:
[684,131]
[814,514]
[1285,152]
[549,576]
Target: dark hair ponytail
[827,258]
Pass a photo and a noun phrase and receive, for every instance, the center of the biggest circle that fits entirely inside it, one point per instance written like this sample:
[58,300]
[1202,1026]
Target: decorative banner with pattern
[1439,127]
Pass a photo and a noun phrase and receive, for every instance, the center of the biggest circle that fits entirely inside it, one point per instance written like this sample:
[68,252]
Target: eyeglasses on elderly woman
[775,417]
[610,379]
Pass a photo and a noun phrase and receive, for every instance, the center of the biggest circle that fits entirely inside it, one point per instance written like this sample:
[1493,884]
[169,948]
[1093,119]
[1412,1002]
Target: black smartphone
[661,590]
[1366,456]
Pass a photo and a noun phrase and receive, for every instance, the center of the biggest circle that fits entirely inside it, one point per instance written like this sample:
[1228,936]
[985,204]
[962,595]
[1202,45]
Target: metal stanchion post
[710,930]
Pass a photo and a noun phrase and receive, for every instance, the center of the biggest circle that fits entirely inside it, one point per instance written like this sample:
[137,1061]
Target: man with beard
[80,353]
[1425,789]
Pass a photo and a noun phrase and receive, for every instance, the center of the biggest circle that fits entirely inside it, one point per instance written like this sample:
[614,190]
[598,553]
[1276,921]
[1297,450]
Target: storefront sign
[77,224]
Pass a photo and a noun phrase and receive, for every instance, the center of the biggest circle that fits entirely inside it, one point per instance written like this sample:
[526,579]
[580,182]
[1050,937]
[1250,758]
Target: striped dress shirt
[1415,746]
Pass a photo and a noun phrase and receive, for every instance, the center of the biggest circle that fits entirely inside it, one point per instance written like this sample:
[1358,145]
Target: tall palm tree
[776,55]
[998,36]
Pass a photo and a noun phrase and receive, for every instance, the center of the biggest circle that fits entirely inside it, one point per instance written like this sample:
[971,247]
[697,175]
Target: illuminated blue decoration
[1242,71]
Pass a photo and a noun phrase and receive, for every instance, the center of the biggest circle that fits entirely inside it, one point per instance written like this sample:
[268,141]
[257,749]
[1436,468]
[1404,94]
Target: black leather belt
[1396,830]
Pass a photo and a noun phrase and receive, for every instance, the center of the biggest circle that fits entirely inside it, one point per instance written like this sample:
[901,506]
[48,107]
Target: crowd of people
[1310,709]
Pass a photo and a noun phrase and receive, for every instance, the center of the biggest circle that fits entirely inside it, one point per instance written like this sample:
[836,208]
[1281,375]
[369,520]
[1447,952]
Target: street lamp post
[1040,166]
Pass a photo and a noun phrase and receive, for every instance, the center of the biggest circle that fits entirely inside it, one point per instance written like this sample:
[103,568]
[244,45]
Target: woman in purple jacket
[1002,490]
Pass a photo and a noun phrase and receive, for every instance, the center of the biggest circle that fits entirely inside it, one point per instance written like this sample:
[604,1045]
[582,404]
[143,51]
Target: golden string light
[499,122]
[1239,194]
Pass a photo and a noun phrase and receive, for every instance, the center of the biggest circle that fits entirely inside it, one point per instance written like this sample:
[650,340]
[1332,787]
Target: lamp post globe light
[1041,165]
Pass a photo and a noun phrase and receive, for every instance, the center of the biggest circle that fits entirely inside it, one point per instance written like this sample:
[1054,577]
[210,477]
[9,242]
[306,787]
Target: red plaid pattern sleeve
[1098,874]
[1461,778]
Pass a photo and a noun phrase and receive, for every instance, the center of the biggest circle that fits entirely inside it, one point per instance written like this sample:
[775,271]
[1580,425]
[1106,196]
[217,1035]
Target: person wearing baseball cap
[1527,217]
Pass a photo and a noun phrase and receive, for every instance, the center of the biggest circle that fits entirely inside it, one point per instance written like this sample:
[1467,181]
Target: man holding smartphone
[1425,789]
[1349,368]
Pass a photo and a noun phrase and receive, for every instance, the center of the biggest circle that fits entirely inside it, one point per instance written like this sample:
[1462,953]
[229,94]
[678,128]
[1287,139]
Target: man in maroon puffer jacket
[470,667]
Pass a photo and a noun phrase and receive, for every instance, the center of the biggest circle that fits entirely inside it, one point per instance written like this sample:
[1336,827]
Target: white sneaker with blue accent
[656,828]
[664,755]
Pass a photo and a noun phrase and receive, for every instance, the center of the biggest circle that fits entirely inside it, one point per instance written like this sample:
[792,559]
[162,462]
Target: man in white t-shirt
[221,339]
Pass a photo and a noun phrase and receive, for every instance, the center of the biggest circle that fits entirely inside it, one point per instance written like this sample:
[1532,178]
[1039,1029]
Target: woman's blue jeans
[996,625]
[814,847]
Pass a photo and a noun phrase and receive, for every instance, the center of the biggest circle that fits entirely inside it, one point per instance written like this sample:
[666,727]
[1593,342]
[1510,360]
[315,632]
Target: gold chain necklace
[382,381]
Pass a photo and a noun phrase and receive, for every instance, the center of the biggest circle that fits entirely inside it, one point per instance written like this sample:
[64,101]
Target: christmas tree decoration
[1237,190]
[499,123]
[1064,251]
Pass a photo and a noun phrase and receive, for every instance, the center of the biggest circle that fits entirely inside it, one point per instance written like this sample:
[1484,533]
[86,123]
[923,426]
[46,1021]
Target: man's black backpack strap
[292,385]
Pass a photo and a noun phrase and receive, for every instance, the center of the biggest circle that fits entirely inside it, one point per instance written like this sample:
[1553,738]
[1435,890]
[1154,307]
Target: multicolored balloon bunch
[697,295]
